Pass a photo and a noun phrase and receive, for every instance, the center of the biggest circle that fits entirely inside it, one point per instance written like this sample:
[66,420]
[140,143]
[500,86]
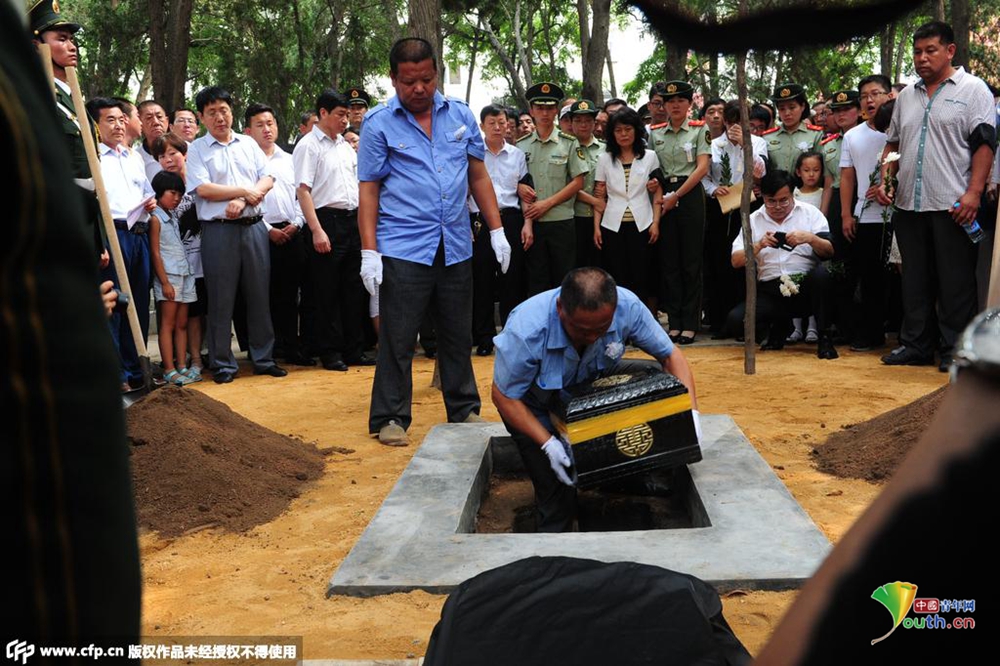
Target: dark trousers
[336,276]
[723,283]
[627,255]
[555,502]
[939,269]
[775,312]
[866,259]
[288,271]
[552,255]
[682,236]
[587,253]
[236,257]
[408,291]
[484,283]
[135,252]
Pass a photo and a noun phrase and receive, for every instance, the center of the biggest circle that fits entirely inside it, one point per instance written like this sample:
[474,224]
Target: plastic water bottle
[973,229]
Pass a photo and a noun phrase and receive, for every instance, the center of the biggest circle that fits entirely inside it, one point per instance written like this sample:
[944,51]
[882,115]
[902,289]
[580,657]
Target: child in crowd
[174,284]
[809,173]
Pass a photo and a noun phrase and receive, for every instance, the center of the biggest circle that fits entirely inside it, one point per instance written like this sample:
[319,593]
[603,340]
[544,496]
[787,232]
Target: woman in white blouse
[630,223]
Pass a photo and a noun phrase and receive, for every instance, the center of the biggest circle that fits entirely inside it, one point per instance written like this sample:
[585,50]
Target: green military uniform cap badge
[44,15]
[583,107]
[788,91]
[845,98]
[358,96]
[544,94]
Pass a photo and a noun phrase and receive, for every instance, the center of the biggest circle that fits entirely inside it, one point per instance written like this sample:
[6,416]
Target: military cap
[583,107]
[676,89]
[545,94]
[358,96]
[788,91]
[845,98]
[644,112]
[44,15]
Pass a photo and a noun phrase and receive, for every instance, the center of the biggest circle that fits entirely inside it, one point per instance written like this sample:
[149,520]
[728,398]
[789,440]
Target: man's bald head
[588,288]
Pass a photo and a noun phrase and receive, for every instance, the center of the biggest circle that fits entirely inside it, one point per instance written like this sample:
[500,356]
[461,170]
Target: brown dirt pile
[873,449]
[196,464]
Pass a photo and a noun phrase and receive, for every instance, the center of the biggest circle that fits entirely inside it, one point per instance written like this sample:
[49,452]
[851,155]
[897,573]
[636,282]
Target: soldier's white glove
[697,424]
[559,460]
[501,248]
[371,270]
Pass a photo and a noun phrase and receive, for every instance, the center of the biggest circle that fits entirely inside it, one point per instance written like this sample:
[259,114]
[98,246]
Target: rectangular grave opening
[664,499]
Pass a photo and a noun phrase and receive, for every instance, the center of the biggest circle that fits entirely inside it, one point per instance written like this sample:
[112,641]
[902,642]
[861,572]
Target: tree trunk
[583,14]
[939,10]
[750,318]
[960,18]
[593,66]
[476,38]
[887,48]
[425,22]
[611,77]
[169,38]
[517,86]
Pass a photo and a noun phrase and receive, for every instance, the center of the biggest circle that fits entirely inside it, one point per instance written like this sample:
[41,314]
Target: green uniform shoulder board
[770,131]
[815,128]
[566,136]
[696,123]
[661,125]
[832,137]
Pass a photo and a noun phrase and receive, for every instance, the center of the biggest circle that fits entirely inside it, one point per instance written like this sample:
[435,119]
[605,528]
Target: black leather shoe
[776,345]
[300,359]
[906,356]
[223,377]
[484,349]
[364,359]
[271,370]
[334,363]
[826,350]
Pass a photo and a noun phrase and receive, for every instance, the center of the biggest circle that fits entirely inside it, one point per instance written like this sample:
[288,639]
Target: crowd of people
[863,218]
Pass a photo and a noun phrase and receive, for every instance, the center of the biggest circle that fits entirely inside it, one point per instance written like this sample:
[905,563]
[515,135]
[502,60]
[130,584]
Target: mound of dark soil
[873,449]
[196,463]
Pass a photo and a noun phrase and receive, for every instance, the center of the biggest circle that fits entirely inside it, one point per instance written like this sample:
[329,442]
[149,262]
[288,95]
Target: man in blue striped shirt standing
[421,155]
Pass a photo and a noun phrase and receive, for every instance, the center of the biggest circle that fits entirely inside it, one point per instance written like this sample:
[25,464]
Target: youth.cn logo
[20,650]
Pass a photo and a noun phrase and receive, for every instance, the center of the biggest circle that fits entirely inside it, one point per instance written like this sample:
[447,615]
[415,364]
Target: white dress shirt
[721,145]
[773,262]
[329,167]
[239,163]
[149,163]
[124,180]
[281,204]
[506,170]
[610,171]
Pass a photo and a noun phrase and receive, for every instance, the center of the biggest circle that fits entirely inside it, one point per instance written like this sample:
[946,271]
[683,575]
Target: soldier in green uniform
[845,106]
[358,102]
[584,115]
[49,27]
[557,165]
[683,150]
[794,134]
[72,550]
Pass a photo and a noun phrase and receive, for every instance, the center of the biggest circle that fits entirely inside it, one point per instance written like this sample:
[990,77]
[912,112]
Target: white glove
[697,424]
[558,459]
[501,248]
[371,270]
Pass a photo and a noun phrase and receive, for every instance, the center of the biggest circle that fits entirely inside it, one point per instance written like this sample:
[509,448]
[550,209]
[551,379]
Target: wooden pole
[750,317]
[45,53]
[109,225]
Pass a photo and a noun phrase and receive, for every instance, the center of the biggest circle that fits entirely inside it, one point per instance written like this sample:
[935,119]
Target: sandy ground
[272,580]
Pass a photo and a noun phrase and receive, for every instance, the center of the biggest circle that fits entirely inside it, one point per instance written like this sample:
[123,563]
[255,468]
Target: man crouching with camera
[790,239]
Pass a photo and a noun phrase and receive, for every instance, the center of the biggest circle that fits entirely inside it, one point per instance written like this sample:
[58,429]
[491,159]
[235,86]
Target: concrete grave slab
[756,535]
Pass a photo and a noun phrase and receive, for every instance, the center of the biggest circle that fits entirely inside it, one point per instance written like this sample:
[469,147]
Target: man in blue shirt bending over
[557,339]
[420,156]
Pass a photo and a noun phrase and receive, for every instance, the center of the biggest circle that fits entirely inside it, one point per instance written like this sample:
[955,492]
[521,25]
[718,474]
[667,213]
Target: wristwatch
[979,347]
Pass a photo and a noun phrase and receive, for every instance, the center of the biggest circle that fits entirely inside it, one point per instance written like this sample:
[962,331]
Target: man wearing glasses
[790,239]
